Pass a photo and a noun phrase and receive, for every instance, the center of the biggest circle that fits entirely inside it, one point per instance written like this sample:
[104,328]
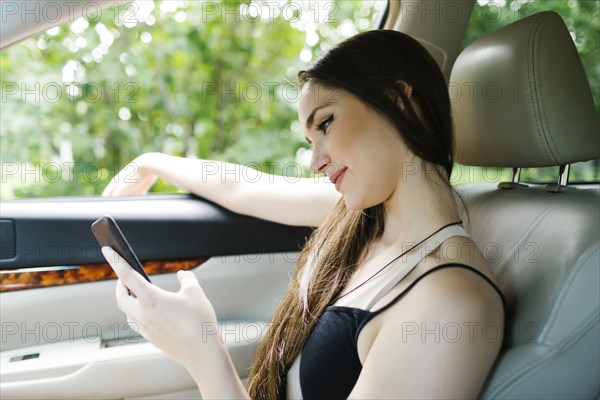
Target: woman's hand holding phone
[183,324]
[171,321]
[177,323]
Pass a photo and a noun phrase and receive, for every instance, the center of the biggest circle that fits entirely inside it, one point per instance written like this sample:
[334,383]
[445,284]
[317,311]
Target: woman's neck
[421,203]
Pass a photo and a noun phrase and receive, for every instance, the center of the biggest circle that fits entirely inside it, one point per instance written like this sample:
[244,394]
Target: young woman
[390,298]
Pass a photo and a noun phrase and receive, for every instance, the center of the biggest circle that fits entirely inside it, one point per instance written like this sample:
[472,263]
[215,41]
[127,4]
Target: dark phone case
[107,232]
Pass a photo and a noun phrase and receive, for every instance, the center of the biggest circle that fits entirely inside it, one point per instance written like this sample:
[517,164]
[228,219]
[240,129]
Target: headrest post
[563,180]
[516,175]
[515,181]
[563,175]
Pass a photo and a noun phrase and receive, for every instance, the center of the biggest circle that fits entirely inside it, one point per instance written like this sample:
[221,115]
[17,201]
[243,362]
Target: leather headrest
[521,98]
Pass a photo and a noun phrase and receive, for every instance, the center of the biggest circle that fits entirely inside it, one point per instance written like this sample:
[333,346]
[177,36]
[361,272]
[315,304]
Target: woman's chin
[355,204]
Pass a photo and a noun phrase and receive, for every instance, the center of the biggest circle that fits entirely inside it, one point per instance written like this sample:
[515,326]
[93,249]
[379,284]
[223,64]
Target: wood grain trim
[34,278]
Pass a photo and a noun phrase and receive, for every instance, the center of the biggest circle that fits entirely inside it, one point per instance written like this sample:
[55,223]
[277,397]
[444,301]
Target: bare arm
[439,342]
[286,200]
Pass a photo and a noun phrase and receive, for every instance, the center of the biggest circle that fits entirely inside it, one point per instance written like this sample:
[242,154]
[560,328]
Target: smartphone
[107,233]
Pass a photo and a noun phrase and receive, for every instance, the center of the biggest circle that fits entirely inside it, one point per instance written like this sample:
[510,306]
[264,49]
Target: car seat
[521,98]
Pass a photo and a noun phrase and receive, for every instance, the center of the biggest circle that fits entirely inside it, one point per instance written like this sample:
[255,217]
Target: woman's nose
[318,162]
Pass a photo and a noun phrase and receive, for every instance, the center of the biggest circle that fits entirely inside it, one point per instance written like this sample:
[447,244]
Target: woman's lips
[336,178]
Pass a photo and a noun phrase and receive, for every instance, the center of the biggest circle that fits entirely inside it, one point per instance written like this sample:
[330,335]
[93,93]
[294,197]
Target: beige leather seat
[525,102]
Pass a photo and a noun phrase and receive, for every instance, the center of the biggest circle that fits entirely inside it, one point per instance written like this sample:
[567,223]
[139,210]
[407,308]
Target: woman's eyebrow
[311,117]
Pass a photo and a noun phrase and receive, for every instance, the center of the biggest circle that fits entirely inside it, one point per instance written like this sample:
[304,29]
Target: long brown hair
[374,66]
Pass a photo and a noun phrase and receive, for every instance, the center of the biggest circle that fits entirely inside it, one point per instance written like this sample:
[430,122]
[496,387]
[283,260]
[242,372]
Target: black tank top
[330,366]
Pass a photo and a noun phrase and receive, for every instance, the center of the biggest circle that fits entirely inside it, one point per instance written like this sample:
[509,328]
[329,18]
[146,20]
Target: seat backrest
[529,104]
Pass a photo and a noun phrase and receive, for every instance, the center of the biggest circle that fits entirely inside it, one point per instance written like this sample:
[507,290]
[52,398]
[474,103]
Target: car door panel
[95,347]
[82,319]
[57,231]
[95,327]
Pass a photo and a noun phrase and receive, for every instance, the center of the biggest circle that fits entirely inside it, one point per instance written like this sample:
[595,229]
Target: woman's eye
[325,124]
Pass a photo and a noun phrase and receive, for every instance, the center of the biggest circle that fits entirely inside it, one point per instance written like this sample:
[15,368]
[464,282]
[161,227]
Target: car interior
[69,340]
[548,255]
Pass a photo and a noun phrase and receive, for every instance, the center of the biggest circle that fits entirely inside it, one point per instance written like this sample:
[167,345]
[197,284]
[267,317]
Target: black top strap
[437,268]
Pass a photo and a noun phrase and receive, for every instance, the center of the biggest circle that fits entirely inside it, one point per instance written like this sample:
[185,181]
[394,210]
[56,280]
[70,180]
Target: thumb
[187,279]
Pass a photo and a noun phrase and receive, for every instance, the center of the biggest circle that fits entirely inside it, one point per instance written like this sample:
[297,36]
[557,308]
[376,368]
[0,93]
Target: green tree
[196,79]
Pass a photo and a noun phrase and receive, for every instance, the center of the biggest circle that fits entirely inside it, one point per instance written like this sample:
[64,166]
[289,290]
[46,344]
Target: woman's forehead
[315,95]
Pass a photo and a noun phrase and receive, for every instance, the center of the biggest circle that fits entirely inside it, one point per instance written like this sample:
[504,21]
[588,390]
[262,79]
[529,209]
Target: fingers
[121,291]
[131,307]
[187,280]
[115,187]
[121,183]
[131,180]
[126,273]
[125,301]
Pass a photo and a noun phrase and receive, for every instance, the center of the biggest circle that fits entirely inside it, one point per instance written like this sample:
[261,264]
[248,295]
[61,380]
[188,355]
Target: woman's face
[358,148]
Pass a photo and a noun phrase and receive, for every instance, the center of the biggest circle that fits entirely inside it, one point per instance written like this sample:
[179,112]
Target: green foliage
[196,79]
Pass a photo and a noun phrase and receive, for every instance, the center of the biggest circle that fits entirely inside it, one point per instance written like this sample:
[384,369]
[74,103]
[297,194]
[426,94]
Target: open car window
[213,80]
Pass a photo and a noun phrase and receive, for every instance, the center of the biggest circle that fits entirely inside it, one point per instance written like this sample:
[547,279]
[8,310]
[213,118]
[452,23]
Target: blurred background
[200,79]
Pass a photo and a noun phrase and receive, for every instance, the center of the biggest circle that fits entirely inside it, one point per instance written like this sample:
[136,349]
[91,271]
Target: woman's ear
[401,87]
[406,88]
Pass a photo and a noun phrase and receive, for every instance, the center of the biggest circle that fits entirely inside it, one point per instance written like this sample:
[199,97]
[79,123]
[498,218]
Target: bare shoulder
[448,325]
[456,274]
[449,294]
[454,291]
[454,281]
